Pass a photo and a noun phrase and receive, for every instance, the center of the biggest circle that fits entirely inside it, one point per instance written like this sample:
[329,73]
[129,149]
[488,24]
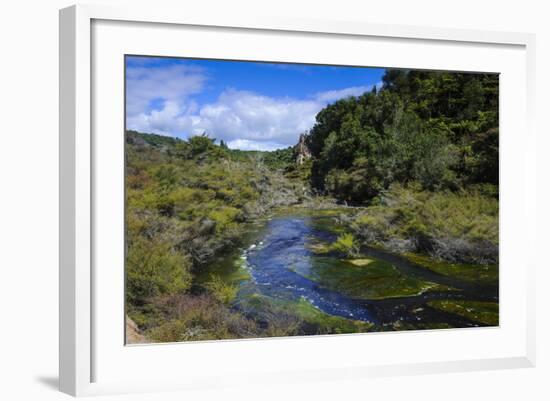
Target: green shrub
[345,244]
[166,176]
[225,217]
[222,291]
[201,317]
[455,226]
[200,144]
[153,268]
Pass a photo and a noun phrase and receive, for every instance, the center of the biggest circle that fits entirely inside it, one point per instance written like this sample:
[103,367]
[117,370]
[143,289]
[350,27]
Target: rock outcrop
[133,335]
[301,150]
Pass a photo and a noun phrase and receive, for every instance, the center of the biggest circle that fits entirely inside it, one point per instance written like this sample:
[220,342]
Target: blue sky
[249,105]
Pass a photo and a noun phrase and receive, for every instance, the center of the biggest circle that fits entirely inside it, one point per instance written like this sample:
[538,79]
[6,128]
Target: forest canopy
[439,129]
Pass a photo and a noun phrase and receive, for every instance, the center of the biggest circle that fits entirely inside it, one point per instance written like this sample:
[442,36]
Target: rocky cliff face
[301,151]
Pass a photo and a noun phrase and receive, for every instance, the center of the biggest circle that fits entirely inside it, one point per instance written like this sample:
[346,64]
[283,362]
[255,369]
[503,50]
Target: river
[283,258]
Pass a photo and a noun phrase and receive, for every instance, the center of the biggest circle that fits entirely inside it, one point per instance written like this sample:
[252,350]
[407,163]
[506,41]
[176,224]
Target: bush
[222,291]
[202,317]
[345,244]
[153,269]
[454,226]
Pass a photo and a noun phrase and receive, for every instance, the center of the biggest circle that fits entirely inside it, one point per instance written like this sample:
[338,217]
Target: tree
[437,128]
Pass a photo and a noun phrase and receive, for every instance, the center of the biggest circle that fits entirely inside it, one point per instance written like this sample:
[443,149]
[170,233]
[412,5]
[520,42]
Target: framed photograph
[271,199]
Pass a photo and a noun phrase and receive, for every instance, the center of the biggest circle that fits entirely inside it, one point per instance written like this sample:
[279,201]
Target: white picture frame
[83,349]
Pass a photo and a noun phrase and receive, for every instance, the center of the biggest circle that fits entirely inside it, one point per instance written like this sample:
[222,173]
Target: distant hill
[276,159]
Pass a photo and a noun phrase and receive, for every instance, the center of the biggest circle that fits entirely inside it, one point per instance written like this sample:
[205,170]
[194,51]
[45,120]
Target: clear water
[276,250]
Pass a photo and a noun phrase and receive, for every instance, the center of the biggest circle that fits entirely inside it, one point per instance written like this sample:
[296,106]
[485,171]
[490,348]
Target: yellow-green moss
[467,272]
[376,280]
[482,312]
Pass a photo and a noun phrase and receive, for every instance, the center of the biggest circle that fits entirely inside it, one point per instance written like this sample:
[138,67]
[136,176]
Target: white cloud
[170,83]
[247,144]
[243,119]
[247,115]
[331,96]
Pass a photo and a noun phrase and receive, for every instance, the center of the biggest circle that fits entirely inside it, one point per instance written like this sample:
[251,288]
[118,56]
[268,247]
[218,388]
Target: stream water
[281,264]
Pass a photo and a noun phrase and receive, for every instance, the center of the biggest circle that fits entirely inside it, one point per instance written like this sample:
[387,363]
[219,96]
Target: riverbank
[454,227]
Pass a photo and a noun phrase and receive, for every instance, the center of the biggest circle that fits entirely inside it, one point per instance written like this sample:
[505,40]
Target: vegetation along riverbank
[383,217]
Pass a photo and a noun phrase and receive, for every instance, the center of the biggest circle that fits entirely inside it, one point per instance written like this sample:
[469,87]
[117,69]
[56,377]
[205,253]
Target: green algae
[317,247]
[311,319]
[232,270]
[240,273]
[402,326]
[376,280]
[477,311]
[326,322]
[467,272]
[433,326]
